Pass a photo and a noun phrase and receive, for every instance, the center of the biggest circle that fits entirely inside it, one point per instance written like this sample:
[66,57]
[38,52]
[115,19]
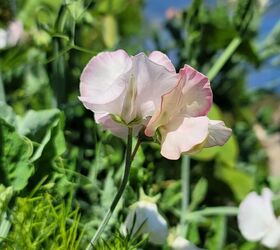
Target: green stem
[138,143]
[2,91]
[214,211]
[224,58]
[185,184]
[119,193]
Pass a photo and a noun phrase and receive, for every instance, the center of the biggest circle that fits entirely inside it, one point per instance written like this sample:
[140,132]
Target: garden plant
[121,131]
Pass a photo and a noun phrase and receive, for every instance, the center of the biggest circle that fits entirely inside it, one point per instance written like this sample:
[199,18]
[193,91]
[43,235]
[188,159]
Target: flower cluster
[146,92]
[257,220]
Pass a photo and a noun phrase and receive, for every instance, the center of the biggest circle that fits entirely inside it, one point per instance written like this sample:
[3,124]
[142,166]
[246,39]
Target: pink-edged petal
[218,133]
[197,95]
[152,81]
[103,79]
[182,135]
[255,216]
[192,96]
[162,59]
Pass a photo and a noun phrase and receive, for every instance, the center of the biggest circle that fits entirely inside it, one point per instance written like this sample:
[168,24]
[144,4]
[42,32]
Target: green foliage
[40,222]
[55,158]
[15,165]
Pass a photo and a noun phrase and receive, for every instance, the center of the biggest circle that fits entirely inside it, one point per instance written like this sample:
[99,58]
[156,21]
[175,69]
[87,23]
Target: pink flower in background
[257,221]
[125,90]
[12,35]
[181,120]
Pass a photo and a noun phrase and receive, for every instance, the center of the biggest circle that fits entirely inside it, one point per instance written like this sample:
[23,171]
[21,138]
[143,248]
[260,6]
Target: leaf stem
[233,45]
[214,211]
[119,194]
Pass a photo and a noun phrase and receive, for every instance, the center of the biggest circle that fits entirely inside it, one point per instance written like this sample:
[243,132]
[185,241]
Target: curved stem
[119,194]
[138,143]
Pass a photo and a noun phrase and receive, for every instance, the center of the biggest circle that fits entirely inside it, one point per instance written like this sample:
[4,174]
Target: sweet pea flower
[180,243]
[257,221]
[181,122]
[144,218]
[125,90]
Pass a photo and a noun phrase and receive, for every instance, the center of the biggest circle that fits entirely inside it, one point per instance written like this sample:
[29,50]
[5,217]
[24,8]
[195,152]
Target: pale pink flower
[181,120]
[125,90]
[257,220]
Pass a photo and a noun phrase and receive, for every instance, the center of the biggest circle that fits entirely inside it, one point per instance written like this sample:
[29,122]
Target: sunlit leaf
[15,152]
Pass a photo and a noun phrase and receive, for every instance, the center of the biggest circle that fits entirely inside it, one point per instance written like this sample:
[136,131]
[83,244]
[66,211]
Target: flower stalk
[185,187]
[119,194]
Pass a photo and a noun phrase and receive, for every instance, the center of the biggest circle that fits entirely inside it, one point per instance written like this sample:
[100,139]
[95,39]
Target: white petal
[147,221]
[103,80]
[218,133]
[272,236]
[255,216]
[162,59]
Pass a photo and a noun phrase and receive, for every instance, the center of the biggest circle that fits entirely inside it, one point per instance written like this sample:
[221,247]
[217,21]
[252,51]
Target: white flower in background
[12,35]
[182,244]
[257,221]
[144,218]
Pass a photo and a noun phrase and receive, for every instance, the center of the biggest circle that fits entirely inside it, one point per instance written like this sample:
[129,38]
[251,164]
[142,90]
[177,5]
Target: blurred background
[51,147]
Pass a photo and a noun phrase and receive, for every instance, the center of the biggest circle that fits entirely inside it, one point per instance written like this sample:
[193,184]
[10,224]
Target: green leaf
[217,234]
[15,152]
[198,193]
[239,182]
[193,233]
[43,127]
[229,152]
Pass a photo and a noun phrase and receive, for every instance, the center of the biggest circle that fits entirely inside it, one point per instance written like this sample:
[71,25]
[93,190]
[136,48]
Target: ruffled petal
[218,133]
[162,59]
[255,216]
[103,80]
[152,81]
[191,97]
[181,135]
[197,95]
